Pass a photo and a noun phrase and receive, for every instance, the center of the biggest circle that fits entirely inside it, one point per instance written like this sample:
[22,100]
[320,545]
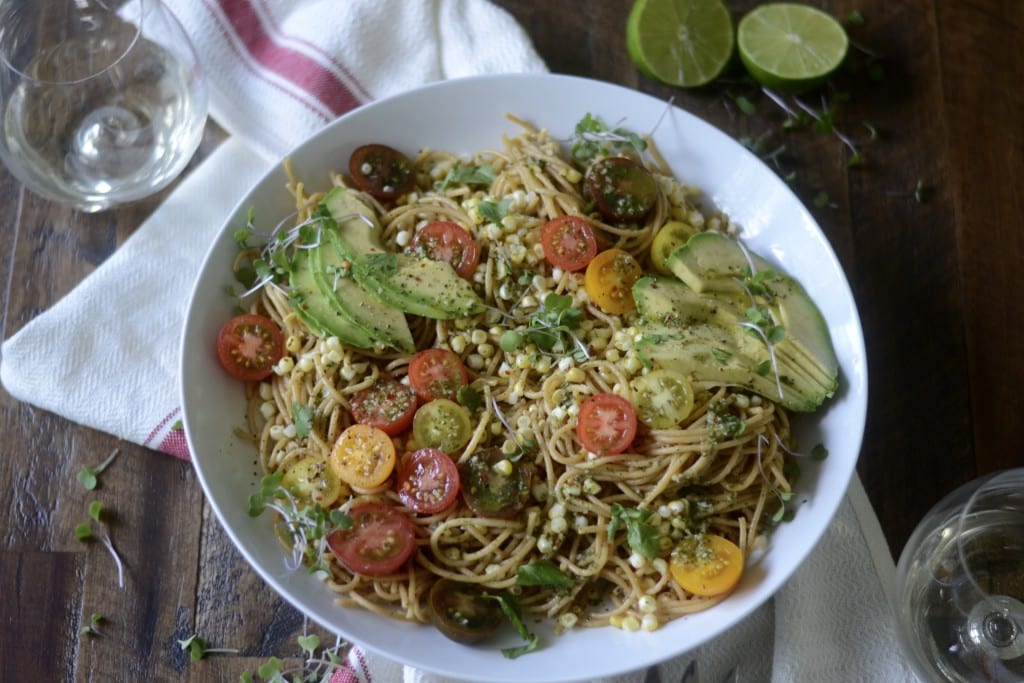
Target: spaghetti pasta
[721,470]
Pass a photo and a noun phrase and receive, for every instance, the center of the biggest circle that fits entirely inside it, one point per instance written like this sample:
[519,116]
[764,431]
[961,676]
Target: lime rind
[791,47]
[685,43]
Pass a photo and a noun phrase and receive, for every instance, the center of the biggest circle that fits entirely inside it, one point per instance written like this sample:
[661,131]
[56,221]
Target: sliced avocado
[318,314]
[708,337]
[416,285]
[356,222]
[332,275]
[711,262]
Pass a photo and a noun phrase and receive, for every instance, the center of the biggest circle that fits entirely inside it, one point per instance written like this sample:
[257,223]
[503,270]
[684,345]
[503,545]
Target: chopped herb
[552,325]
[592,138]
[484,174]
[511,612]
[302,418]
[84,532]
[92,628]
[855,18]
[542,573]
[721,355]
[494,211]
[643,538]
[470,398]
[819,452]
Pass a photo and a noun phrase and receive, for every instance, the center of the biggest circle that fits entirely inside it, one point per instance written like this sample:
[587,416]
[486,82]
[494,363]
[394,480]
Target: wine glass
[960,584]
[103,102]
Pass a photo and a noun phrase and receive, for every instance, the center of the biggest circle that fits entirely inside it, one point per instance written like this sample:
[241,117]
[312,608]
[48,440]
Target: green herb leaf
[95,510]
[643,538]
[87,477]
[309,643]
[542,573]
[721,355]
[270,668]
[83,531]
[819,452]
[302,418]
[483,174]
[470,398]
[493,212]
[511,611]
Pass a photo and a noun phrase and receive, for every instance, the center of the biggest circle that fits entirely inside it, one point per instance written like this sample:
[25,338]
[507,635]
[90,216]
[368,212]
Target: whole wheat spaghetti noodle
[692,480]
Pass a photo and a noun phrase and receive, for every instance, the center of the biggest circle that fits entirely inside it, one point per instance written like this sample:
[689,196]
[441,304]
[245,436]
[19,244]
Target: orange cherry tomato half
[448,242]
[568,242]
[607,424]
[381,539]
[363,456]
[609,281]
[388,405]
[249,346]
[622,190]
[429,482]
[437,373]
[714,568]
[381,171]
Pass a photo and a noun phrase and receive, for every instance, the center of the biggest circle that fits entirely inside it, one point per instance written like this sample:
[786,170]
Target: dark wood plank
[39,619]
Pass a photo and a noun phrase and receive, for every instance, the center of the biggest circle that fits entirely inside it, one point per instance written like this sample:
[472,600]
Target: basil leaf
[542,573]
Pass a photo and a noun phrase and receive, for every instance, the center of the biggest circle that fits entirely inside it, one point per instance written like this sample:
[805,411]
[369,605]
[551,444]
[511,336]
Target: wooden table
[929,230]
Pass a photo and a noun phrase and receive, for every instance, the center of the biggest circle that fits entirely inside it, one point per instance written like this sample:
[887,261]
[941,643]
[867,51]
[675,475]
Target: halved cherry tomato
[462,612]
[607,424]
[663,398]
[312,480]
[488,491]
[363,456]
[713,566]
[429,482]
[609,281]
[450,243]
[388,405]
[442,424]
[437,373]
[381,539]
[568,242]
[670,237]
[622,190]
[249,346]
[381,171]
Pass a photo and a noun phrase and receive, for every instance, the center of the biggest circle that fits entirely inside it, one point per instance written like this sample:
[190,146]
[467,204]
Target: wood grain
[935,282]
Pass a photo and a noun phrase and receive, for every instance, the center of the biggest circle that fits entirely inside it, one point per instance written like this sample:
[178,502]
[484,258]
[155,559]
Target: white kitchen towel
[279,70]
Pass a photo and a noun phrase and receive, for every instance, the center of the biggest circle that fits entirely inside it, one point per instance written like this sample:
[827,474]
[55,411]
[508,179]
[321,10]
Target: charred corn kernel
[568,620]
[557,511]
[630,623]
[289,431]
[403,238]
[503,467]
[478,336]
[277,432]
[268,409]
[293,343]
[647,604]
[637,561]
[509,447]
[348,373]
[544,545]
[650,623]
[572,175]
[581,521]
[306,364]
[559,526]
[485,350]
[266,391]
[591,486]
[615,620]
[575,375]
[453,553]
[540,491]
[457,343]
[543,365]
[475,361]
[284,366]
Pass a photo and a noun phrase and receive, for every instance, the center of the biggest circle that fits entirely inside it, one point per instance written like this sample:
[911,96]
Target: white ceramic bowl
[464,116]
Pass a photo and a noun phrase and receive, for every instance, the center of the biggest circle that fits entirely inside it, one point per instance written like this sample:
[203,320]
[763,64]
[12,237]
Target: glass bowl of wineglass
[960,584]
[102,102]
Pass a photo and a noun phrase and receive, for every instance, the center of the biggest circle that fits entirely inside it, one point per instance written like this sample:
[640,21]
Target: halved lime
[685,43]
[791,47]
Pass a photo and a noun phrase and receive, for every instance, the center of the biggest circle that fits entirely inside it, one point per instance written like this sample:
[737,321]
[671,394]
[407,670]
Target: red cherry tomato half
[607,424]
[381,171]
[450,243]
[388,405]
[429,482]
[249,346]
[437,373]
[568,242]
[622,190]
[380,541]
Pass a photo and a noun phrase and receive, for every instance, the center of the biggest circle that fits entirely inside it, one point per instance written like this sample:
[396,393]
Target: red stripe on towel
[301,70]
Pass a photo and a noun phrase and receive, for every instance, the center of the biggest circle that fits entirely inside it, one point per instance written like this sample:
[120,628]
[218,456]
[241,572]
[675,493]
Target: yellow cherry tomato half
[713,566]
[363,456]
[670,237]
[312,480]
[609,281]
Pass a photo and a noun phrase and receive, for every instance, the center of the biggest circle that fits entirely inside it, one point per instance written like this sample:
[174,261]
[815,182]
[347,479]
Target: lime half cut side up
[791,47]
[685,43]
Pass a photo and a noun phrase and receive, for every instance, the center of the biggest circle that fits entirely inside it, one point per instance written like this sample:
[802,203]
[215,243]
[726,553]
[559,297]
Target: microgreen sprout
[197,648]
[592,137]
[784,496]
[89,476]
[759,320]
[319,665]
[308,525]
[92,628]
[84,532]
[523,446]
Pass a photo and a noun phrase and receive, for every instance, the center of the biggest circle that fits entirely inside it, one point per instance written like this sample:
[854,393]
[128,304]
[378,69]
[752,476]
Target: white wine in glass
[960,585]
